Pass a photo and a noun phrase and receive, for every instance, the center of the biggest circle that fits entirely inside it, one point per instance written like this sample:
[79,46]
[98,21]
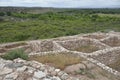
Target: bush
[19,53]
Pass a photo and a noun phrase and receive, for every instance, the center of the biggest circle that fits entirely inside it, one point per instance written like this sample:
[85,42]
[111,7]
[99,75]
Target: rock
[14,65]
[46,79]
[35,64]
[1,78]
[19,60]
[75,78]
[30,70]
[60,73]
[50,69]
[55,78]
[5,71]
[53,73]
[39,74]
[34,79]
[64,76]
[57,70]
[42,68]
[21,69]
[90,65]
[73,68]
[11,76]
[29,79]
[2,65]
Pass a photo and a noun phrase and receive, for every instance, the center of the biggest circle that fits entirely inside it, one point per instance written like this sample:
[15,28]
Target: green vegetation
[19,53]
[20,26]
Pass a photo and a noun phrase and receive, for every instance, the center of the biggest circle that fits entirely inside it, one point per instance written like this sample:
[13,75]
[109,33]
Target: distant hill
[29,9]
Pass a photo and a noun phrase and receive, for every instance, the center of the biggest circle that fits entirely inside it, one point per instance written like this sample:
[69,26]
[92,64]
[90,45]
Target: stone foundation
[105,55]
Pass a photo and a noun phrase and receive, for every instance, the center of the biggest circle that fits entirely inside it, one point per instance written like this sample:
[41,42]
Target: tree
[8,13]
[2,13]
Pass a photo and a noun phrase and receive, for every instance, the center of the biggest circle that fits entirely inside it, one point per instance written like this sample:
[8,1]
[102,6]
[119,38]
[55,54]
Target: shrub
[19,53]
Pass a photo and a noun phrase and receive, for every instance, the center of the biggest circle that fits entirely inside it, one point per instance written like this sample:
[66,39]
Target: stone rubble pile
[19,69]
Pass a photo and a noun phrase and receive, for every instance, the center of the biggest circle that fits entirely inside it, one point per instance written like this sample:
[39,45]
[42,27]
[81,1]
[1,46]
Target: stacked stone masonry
[32,70]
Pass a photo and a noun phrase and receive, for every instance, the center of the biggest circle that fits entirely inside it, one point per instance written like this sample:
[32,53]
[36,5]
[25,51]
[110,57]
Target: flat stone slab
[11,76]
[5,71]
[14,65]
[39,74]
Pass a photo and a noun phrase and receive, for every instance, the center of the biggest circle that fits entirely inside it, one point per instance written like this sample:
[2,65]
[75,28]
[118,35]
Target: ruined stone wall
[108,57]
[76,43]
[105,55]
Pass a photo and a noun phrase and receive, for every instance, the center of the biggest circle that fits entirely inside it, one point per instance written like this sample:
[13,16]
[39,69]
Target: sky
[63,3]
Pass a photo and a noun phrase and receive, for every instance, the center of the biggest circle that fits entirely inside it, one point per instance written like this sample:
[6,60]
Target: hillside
[19,24]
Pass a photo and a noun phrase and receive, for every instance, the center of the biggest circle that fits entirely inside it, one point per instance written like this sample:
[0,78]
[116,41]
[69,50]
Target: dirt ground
[92,72]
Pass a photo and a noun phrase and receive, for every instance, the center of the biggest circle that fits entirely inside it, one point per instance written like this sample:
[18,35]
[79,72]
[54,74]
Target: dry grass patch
[15,45]
[95,36]
[87,48]
[57,60]
[115,65]
[113,41]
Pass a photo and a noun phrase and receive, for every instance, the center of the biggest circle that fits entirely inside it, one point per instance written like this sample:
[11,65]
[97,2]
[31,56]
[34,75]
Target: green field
[20,26]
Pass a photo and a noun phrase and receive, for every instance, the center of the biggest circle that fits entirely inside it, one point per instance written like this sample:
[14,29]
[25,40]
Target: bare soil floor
[92,72]
[115,65]
[87,49]
[113,42]
[75,66]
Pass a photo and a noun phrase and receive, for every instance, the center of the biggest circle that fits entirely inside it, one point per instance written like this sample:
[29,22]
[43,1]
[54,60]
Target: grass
[57,60]
[87,48]
[14,54]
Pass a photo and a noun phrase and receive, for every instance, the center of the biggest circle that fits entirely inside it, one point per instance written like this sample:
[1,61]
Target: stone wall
[108,56]
[76,43]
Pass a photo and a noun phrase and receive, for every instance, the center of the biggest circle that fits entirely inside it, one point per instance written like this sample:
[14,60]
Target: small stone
[64,76]
[55,78]
[29,79]
[30,70]
[46,79]
[2,65]
[74,78]
[21,69]
[39,74]
[42,68]
[11,76]
[50,69]
[35,64]
[19,60]
[5,71]
[57,70]
[53,73]
[34,79]
[60,73]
